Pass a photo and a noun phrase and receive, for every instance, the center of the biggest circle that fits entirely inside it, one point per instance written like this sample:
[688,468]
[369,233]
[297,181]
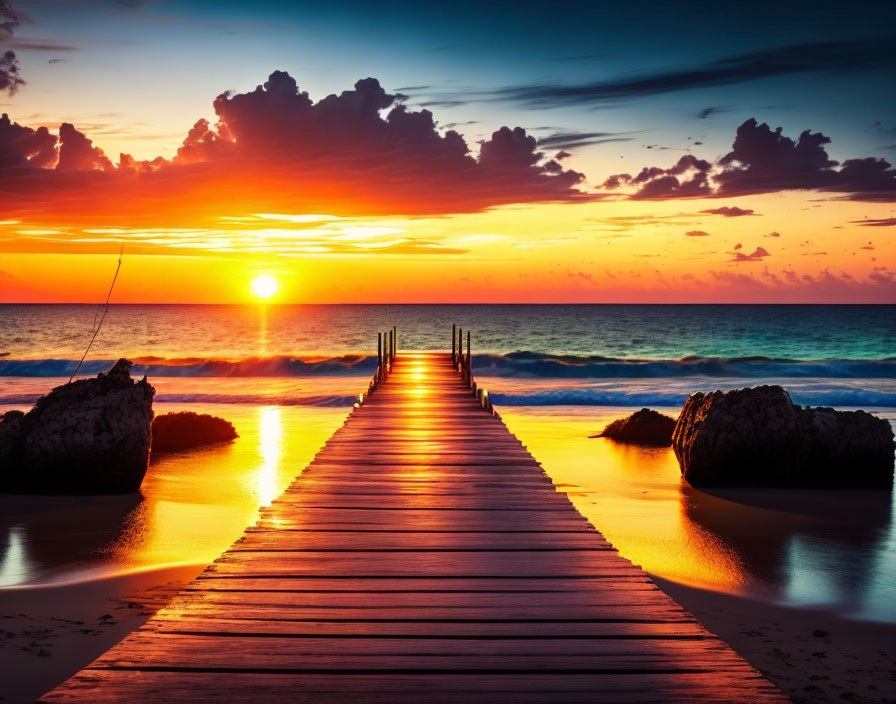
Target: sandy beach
[48,633]
[815,657]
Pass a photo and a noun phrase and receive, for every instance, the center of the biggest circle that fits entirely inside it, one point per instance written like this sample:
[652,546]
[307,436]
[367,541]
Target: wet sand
[48,633]
[815,657]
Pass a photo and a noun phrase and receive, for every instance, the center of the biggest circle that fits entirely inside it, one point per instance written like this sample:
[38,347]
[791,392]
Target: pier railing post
[460,351]
[454,344]
[469,360]
[379,357]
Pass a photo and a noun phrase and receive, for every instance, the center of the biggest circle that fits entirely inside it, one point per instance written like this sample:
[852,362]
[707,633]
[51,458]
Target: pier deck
[423,556]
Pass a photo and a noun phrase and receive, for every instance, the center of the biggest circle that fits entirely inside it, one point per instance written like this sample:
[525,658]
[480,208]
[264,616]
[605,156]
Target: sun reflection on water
[191,507]
[270,436]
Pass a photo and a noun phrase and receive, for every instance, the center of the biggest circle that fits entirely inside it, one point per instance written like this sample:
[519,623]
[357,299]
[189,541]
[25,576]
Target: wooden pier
[423,556]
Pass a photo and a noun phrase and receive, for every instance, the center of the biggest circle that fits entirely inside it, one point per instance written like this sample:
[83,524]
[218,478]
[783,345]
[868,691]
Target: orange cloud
[361,152]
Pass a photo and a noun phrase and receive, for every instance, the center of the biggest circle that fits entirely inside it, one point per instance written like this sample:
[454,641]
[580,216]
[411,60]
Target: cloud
[37,44]
[10,19]
[773,234]
[813,57]
[790,287]
[763,160]
[572,140]
[687,178]
[361,152]
[757,255]
[696,233]
[875,222]
[10,78]
[730,211]
[706,112]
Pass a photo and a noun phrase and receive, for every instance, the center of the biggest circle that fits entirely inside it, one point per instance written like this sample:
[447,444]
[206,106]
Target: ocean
[287,375]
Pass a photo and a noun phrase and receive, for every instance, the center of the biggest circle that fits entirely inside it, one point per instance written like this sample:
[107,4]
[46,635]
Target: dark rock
[184,430]
[12,425]
[759,437]
[644,427]
[91,436]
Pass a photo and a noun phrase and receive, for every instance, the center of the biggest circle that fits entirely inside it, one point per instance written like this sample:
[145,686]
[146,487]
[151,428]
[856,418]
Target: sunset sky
[469,152]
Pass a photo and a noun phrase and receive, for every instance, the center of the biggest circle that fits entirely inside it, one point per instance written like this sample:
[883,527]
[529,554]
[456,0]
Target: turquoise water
[642,332]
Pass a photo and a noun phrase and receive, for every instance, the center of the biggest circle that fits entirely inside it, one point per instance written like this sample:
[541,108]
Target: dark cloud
[10,19]
[730,211]
[757,255]
[10,79]
[696,233]
[773,234]
[25,148]
[763,160]
[572,140]
[275,150]
[875,222]
[832,56]
[687,178]
[56,61]
[706,112]
[36,44]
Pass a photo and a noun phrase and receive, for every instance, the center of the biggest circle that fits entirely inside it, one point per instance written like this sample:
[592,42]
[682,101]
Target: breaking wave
[514,364]
[281,366]
[530,364]
[838,397]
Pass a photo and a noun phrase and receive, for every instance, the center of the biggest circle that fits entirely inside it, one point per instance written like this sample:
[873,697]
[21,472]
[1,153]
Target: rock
[91,436]
[644,427]
[181,431]
[12,424]
[759,437]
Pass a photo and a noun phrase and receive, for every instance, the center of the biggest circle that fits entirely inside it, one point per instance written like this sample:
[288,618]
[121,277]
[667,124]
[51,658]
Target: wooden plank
[391,540]
[215,624]
[423,555]
[178,687]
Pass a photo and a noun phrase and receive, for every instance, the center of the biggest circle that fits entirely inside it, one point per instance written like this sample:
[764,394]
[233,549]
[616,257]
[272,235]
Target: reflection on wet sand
[826,548]
[797,541]
[41,532]
[191,507]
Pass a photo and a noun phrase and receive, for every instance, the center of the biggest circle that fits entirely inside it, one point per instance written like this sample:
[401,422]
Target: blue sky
[157,66]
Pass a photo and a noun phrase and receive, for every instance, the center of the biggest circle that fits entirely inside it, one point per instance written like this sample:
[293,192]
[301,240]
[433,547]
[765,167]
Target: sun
[263,286]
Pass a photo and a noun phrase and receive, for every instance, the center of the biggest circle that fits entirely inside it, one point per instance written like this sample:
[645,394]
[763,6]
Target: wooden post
[395,331]
[379,355]
[454,343]
[469,360]
[391,349]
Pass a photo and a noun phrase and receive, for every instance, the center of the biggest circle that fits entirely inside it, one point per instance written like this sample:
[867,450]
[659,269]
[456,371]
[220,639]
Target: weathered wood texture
[423,556]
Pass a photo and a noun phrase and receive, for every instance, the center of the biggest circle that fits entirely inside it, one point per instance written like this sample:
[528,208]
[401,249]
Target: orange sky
[603,251]
[358,198]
